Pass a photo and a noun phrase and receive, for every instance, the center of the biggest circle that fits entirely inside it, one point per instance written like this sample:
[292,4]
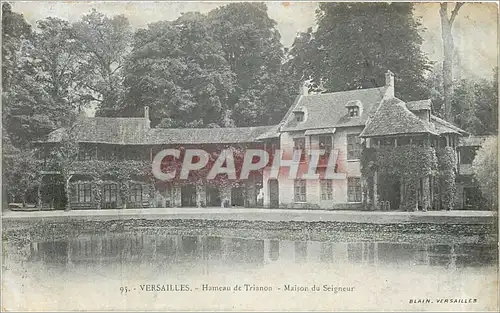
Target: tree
[20,172]
[179,70]
[58,61]
[448,53]
[485,168]
[15,30]
[475,105]
[356,43]
[253,50]
[64,155]
[104,44]
[43,92]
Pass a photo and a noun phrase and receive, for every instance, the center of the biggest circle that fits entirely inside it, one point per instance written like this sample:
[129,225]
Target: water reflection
[239,252]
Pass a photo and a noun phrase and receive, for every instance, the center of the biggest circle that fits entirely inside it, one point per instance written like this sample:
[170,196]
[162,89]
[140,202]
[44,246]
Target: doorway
[188,196]
[237,196]
[213,196]
[274,196]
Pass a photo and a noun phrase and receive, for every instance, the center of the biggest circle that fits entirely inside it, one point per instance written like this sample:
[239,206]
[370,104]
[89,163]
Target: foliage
[23,95]
[405,164]
[220,69]
[447,169]
[104,43]
[475,105]
[20,171]
[356,43]
[15,30]
[182,62]
[252,48]
[485,168]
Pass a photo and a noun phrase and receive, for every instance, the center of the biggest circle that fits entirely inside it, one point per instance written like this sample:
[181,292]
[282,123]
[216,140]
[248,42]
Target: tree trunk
[447,60]
[448,54]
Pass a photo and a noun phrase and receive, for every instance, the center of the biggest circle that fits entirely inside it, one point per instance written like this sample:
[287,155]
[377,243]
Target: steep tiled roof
[444,127]
[393,118]
[206,135]
[136,131]
[328,109]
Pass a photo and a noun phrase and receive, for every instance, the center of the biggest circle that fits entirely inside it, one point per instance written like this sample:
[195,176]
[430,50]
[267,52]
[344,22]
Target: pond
[165,269]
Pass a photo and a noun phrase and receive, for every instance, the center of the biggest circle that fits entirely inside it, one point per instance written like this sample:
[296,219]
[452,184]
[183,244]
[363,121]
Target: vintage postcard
[249,156]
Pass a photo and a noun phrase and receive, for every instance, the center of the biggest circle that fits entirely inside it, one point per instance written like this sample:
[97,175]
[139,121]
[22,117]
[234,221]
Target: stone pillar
[67,191]
[375,191]
[39,197]
[251,193]
[402,193]
[426,192]
[201,195]
[176,196]
[225,194]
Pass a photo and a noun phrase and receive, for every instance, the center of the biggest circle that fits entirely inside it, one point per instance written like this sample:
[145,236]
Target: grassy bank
[23,231]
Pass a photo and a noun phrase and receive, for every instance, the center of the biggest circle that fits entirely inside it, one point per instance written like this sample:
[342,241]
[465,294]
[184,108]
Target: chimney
[389,83]
[146,115]
[304,88]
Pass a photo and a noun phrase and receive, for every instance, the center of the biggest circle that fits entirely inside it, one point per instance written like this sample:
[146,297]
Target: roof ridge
[210,128]
[344,91]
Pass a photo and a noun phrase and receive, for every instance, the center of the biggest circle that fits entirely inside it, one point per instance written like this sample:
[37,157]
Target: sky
[475,29]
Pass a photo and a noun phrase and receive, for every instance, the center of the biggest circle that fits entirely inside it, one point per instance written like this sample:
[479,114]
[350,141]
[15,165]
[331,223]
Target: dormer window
[354,108]
[353,111]
[299,114]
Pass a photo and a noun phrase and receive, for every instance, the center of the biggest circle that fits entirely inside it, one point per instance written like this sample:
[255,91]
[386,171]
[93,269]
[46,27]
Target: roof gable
[393,118]
[329,109]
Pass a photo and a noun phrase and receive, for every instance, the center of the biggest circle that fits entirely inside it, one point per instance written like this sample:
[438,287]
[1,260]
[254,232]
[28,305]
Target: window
[353,111]
[300,190]
[299,116]
[110,193]
[353,147]
[136,193]
[300,144]
[418,141]
[84,192]
[135,153]
[386,142]
[467,155]
[107,153]
[326,144]
[86,152]
[404,141]
[326,189]
[353,189]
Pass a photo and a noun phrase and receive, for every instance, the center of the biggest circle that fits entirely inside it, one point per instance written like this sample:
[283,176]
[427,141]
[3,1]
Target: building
[342,125]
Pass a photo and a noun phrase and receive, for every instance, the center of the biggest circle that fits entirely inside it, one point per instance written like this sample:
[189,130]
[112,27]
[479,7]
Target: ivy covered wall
[407,164]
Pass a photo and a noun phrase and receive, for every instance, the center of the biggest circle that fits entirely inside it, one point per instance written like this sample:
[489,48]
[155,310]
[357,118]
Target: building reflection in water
[238,252]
